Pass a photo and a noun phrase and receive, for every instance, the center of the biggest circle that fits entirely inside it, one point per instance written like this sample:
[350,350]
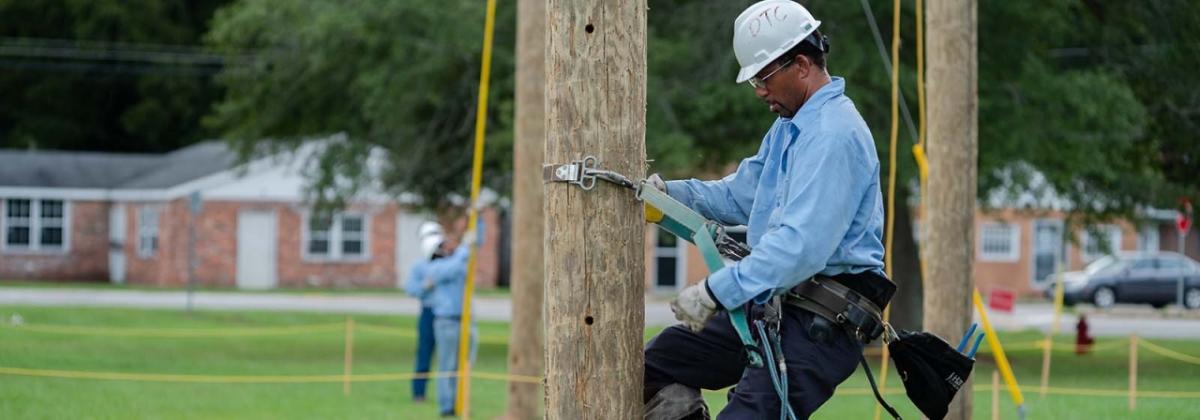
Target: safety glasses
[761,82]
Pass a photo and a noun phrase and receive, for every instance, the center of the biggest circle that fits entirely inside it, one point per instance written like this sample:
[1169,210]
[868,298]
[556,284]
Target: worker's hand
[694,307]
[657,182]
[427,284]
[469,238]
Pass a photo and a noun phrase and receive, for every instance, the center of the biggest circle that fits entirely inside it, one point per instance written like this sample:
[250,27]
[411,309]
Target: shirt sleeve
[727,200]
[414,286]
[826,185]
[453,267]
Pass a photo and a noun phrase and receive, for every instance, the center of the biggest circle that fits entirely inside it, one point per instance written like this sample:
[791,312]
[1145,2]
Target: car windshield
[1107,264]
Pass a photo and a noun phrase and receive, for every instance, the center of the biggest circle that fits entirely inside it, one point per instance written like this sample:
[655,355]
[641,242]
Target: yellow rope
[1165,352]
[386,377]
[253,379]
[464,333]
[177,332]
[891,204]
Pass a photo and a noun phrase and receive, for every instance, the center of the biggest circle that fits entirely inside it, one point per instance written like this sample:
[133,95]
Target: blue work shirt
[449,275]
[415,284]
[810,199]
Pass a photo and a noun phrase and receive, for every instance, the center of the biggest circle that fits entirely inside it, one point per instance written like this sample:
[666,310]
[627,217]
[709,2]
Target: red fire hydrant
[1083,342]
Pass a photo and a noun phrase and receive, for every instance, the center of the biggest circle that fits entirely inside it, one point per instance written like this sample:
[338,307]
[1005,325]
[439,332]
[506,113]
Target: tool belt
[834,299]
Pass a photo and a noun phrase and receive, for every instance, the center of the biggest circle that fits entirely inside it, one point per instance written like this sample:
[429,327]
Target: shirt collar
[835,87]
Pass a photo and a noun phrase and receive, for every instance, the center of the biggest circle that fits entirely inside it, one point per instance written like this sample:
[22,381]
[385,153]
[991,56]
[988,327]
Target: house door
[408,245]
[256,239]
[116,243]
[1047,249]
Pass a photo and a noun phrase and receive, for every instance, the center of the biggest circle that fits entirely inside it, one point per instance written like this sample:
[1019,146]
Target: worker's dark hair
[815,46]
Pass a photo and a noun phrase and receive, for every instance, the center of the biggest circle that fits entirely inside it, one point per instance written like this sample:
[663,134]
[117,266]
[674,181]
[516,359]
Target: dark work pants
[425,344]
[714,359]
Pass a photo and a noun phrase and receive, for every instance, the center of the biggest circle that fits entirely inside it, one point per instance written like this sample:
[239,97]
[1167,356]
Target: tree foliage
[64,97]
[395,76]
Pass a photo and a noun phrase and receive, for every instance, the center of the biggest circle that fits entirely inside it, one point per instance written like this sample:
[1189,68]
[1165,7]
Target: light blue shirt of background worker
[431,238]
[448,278]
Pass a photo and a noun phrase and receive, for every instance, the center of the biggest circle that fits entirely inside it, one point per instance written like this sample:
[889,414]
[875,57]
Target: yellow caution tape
[1165,352]
[252,379]
[178,332]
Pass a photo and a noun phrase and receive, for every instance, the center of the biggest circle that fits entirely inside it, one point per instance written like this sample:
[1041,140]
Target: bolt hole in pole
[589,28]
[588,320]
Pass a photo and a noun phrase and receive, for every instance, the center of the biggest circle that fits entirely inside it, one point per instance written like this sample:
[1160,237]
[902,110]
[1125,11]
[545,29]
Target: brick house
[139,219]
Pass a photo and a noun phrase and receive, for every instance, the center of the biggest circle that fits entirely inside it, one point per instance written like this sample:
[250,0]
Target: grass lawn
[390,350]
[498,292]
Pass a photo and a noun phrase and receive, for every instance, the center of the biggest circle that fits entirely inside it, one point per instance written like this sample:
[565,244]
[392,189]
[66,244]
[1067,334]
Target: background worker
[448,277]
[417,285]
[811,201]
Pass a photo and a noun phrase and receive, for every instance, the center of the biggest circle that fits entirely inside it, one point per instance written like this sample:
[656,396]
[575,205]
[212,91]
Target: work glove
[693,306]
[469,238]
[657,182]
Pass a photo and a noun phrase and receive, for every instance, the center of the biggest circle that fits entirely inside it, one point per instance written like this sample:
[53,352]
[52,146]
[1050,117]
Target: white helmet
[766,30]
[429,228]
[431,236]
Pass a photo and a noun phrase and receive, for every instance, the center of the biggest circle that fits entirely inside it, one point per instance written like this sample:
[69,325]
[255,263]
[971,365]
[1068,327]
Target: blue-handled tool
[976,346]
[962,344]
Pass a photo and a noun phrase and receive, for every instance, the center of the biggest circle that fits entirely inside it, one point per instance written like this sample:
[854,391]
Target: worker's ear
[803,64]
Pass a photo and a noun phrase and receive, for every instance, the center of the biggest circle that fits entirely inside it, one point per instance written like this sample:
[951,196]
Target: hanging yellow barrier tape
[1165,352]
[178,332]
[386,377]
[251,379]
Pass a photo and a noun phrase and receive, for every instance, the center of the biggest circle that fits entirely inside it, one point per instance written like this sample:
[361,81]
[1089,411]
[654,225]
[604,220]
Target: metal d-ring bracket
[584,173]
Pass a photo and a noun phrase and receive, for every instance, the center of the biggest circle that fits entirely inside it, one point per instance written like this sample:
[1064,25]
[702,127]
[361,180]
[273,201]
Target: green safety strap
[689,225]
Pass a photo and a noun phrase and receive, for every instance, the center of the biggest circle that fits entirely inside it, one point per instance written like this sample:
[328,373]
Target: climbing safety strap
[710,238]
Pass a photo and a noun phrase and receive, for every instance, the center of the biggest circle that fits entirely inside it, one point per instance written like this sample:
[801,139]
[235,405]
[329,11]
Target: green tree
[60,94]
[400,77]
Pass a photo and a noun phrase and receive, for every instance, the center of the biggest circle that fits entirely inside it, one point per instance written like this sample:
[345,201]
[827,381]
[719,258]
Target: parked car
[1133,277]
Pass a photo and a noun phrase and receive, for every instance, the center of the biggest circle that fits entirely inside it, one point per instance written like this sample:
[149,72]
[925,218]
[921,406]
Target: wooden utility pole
[953,151]
[594,240]
[525,342]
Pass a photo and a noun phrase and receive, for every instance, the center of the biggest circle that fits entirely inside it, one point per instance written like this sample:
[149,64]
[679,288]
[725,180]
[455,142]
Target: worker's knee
[676,402]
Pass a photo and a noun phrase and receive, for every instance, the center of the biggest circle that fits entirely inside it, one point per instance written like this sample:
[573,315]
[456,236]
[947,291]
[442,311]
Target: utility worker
[420,286]
[448,277]
[811,201]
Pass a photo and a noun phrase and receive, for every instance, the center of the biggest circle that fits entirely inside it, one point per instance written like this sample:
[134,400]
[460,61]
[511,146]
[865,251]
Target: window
[336,237]
[35,225]
[148,231]
[1108,241]
[999,242]
[666,261]
[1148,238]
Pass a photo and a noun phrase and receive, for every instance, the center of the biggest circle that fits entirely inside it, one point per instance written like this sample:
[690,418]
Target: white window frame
[1013,237]
[34,223]
[336,237]
[1148,238]
[1114,234]
[679,253]
[148,238]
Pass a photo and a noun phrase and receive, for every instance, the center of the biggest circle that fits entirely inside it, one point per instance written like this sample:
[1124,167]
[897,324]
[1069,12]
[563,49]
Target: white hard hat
[429,228]
[766,30]
[431,236]
[430,244]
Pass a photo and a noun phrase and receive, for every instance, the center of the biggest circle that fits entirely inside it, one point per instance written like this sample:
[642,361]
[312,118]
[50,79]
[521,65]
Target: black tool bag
[931,369]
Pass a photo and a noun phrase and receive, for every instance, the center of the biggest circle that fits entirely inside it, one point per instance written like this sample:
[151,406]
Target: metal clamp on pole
[574,173]
[584,173]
